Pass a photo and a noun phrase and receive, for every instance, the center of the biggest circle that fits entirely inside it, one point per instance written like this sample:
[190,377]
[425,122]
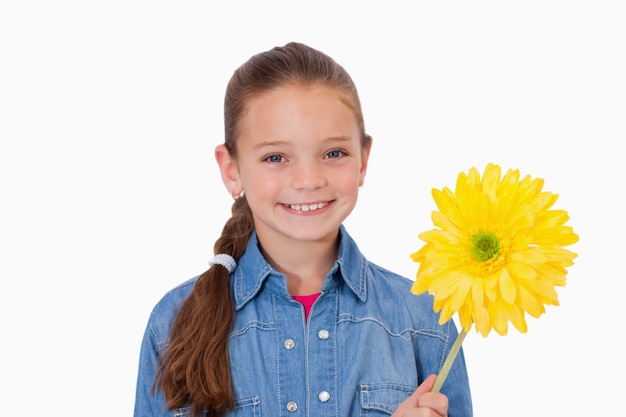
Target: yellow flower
[497,252]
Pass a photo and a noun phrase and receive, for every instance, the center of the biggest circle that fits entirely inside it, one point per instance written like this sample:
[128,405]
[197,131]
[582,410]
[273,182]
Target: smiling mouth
[307,207]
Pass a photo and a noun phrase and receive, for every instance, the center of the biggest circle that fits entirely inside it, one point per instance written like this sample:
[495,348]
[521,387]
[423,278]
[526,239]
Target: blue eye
[334,154]
[274,158]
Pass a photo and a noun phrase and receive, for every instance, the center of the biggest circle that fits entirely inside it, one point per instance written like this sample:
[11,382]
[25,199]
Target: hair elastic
[224,260]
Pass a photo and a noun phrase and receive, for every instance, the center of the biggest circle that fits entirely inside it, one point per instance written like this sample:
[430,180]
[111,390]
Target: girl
[290,319]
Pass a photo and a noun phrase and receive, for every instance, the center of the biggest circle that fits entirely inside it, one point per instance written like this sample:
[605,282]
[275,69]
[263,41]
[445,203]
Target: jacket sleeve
[147,403]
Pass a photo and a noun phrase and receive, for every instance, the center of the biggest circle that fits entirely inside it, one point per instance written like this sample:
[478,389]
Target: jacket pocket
[382,399]
[247,407]
[181,412]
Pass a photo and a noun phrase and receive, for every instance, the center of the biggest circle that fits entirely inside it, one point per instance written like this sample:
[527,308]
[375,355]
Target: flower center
[485,246]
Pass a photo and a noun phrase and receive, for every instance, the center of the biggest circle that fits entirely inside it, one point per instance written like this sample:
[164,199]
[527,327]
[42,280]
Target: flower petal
[507,286]
[521,270]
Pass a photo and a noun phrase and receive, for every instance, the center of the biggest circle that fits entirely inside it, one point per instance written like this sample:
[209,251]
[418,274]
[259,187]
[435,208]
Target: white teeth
[307,207]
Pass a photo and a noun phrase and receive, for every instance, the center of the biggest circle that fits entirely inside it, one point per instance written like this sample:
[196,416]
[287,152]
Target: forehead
[315,107]
[290,91]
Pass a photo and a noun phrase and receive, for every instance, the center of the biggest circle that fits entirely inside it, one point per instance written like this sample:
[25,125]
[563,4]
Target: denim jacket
[367,344]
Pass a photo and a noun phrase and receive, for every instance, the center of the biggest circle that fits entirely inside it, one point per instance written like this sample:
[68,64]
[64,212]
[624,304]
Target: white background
[109,194]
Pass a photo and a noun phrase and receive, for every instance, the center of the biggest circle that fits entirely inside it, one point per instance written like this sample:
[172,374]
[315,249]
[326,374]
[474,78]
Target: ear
[365,155]
[229,170]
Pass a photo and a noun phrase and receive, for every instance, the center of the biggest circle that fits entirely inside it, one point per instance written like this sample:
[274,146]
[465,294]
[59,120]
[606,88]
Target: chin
[314,234]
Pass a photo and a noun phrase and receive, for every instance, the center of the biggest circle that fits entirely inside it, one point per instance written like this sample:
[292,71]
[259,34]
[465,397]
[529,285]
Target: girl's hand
[423,403]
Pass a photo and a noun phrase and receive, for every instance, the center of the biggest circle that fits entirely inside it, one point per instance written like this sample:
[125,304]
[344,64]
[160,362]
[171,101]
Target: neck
[305,264]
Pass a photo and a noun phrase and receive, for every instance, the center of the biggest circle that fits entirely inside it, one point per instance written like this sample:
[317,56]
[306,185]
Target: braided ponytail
[195,369]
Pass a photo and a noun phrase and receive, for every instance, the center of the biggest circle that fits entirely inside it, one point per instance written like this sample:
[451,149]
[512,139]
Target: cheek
[351,178]
[348,186]
[259,185]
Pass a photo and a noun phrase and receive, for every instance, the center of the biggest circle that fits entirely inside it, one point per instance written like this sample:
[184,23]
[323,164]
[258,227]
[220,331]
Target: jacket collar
[253,271]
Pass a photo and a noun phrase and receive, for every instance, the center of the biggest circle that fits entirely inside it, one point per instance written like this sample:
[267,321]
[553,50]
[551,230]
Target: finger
[425,386]
[413,400]
[434,401]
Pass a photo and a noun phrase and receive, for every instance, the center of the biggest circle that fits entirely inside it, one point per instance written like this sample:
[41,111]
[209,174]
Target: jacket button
[323,334]
[323,396]
[289,344]
[292,406]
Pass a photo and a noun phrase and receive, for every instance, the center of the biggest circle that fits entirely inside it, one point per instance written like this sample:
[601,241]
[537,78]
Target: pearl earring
[236,195]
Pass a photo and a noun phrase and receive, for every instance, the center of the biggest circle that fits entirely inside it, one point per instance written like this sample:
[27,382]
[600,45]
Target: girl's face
[300,163]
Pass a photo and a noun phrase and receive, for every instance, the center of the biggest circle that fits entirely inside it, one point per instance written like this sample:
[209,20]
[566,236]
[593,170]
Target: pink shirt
[307,301]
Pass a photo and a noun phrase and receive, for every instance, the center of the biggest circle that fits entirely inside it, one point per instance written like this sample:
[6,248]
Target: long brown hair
[195,369]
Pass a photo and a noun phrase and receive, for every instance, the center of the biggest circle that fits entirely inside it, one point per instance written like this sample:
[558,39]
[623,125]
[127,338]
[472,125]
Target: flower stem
[443,373]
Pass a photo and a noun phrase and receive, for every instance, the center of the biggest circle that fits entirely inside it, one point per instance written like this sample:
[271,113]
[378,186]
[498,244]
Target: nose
[308,176]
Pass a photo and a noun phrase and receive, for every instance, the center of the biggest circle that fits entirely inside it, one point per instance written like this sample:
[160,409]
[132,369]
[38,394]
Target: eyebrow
[283,142]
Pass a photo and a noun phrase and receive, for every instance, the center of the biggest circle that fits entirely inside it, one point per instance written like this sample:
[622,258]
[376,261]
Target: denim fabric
[367,345]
